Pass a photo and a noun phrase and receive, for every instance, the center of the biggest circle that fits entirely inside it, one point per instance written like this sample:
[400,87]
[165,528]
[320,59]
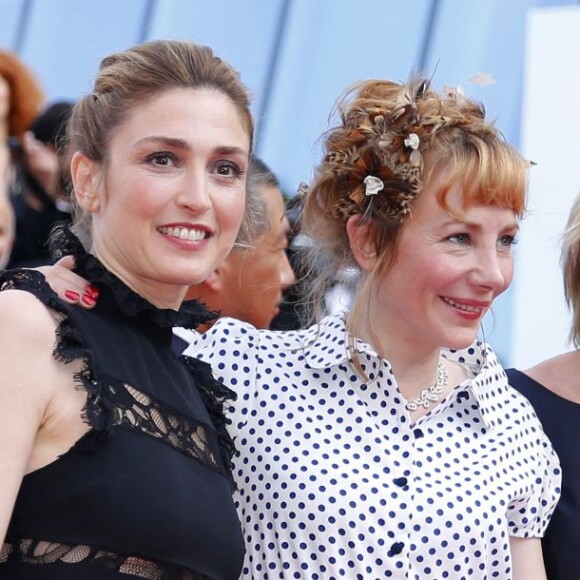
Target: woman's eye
[459,238]
[228,169]
[161,159]
[507,241]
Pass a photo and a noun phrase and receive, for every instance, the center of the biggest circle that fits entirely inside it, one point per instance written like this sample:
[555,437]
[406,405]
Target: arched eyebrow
[185,146]
[476,226]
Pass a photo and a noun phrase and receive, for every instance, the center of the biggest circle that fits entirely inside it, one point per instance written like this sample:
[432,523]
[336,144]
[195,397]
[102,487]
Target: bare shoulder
[27,340]
[560,374]
[23,316]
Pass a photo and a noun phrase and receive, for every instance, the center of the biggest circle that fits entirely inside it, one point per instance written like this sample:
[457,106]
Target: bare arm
[26,342]
[528,562]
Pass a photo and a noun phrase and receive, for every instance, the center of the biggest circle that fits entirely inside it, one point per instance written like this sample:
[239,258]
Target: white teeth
[195,235]
[464,307]
[183,233]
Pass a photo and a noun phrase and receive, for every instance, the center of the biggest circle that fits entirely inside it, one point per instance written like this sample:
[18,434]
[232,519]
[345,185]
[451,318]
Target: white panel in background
[551,130]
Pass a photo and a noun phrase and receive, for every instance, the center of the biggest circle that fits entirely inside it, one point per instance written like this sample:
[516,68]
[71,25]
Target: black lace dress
[146,493]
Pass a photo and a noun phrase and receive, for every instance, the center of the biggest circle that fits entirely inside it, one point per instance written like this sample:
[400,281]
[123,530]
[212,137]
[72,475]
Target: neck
[415,369]
[414,376]
[164,296]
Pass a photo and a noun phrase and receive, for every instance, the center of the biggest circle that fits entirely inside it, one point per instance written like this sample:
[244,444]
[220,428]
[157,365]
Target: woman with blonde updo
[385,442]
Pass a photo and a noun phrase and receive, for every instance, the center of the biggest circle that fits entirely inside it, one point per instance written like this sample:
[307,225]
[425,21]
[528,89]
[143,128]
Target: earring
[483,342]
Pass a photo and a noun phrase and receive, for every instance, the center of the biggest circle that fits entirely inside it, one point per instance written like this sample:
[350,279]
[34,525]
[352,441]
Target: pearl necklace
[432,393]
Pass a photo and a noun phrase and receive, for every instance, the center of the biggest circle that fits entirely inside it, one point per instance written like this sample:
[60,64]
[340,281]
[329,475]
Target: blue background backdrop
[296,56]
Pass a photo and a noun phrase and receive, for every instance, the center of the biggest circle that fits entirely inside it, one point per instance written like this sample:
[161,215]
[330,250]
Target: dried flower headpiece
[376,156]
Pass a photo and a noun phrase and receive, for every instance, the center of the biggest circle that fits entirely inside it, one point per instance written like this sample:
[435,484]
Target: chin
[185,276]
[459,343]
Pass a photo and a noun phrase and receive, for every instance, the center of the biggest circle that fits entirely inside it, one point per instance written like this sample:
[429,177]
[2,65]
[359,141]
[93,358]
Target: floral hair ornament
[412,141]
[373,185]
[374,159]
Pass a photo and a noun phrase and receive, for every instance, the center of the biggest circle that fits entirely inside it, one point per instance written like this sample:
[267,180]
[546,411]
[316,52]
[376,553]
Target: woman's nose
[492,270]
[194,192]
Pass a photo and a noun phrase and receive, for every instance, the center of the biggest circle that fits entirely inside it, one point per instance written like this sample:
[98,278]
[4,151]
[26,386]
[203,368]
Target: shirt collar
[489,386]
[329,345]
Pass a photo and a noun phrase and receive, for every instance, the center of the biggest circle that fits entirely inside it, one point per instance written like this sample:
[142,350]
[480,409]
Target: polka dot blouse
[335,481]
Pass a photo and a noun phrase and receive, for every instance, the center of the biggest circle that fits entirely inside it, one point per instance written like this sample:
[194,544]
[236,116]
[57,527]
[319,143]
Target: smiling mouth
[464,307]
[182,233]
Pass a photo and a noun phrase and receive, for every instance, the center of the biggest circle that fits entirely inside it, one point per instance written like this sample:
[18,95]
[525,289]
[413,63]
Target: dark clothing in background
[560,419]
[33,228]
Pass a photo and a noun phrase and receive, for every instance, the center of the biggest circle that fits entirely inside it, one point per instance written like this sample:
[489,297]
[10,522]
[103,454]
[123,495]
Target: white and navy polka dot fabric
[334,481]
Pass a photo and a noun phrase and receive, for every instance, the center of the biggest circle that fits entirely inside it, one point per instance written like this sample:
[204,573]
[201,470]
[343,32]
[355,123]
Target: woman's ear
[86,179]
[361,245]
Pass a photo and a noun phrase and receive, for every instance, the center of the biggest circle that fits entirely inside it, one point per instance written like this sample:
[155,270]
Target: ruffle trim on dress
[215,396]
[191,314]
[69,346]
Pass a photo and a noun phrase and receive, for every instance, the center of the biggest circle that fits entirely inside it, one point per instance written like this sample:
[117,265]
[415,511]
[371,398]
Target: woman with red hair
[20,96]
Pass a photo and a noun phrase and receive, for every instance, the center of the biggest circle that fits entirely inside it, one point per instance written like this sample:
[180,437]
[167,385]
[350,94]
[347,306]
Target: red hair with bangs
[491,171]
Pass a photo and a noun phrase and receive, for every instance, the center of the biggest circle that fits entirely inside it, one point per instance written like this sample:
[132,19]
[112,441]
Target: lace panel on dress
[41,552]
[134,409]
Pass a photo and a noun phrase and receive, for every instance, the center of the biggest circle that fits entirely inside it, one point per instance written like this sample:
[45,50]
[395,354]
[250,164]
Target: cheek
[133,192]
[271,268]
[230,212]
[436,274]
[143,198]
